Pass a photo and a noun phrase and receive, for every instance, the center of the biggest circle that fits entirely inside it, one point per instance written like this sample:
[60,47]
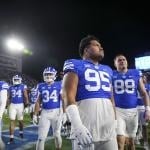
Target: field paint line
[17,128]
[29,145]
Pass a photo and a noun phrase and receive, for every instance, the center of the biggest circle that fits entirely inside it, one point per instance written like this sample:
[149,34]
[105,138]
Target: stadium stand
[11,65]
[6,75]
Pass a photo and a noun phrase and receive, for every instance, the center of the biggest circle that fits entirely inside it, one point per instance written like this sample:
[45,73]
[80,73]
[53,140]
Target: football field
[30,137]
[29,140]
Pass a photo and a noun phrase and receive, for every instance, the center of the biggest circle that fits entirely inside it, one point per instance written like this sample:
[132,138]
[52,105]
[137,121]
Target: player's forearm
[113,104]
[26,102]
[63,103]
[26,98]
[68,98]
[63,106]
[146,99]
[37,108]
[8,102]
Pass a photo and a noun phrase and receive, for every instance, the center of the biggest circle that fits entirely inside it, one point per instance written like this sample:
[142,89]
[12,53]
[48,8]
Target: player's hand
[64,118]
[147,115]
[26,105]
[35,119]
[82,135]
[26,110]
[5,111]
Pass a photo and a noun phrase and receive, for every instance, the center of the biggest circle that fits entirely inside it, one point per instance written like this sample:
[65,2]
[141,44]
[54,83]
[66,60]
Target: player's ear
[127,64]
[85,50]
[114,63]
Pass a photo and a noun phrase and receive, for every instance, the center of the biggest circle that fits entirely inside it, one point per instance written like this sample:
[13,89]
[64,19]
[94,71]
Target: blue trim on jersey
[4,85]
[125,88]
[94,80]
[17,93]
[50,95]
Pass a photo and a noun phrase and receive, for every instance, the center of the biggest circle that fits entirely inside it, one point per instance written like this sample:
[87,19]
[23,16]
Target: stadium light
[15,45]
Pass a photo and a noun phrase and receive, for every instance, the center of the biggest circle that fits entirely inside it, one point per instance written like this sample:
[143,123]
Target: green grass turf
[49,145]
[6,121]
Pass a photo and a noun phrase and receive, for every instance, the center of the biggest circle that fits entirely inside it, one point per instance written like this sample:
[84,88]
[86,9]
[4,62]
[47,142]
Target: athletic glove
[35,119]
[64,118]
[79,131]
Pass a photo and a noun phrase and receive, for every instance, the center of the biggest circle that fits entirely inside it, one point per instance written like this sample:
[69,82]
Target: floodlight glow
[15,45]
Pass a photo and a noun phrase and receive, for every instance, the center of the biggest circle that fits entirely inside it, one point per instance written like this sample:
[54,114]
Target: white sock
[40,144]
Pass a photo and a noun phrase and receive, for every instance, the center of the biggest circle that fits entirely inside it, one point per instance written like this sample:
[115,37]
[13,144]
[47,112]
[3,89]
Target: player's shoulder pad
[70,64]
[5,85]
[40,85]
[58,82]
[107,68]
[115,71]
[136,72]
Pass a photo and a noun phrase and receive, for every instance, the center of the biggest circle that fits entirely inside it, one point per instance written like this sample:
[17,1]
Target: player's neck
[49,83]
[123,70]
[91,60]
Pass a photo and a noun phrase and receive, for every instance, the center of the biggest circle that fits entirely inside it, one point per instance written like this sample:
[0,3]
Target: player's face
[16,81]
[121,63]
[49,77]
[95,50]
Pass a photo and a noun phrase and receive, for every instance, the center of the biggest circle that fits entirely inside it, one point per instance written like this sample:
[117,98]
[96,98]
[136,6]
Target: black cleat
[21,135]
[11,141]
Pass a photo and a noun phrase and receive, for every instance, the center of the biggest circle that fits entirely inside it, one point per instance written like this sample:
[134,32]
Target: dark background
[52,30]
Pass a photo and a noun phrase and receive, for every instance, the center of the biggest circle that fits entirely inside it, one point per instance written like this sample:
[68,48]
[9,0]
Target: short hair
[85,42]
[118,56]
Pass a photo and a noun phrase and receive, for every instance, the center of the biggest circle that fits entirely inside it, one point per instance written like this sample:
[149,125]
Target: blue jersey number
[49,96]
[122,86]
[15,93]
[97,77]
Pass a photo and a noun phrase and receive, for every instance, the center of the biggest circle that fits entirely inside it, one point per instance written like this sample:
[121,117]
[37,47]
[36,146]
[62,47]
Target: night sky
[53,30]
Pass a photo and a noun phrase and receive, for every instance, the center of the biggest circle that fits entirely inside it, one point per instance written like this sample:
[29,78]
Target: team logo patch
[96,67]
[87,65]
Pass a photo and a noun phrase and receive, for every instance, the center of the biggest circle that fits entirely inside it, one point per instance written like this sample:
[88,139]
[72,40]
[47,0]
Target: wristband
[147,108]
[74,116]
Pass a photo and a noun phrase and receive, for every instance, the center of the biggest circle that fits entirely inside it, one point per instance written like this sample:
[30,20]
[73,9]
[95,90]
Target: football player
[66,124]
[87,90]
[126,82]
[3,99]
[33,96]
[18,100]
[142,132]
[49,96]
